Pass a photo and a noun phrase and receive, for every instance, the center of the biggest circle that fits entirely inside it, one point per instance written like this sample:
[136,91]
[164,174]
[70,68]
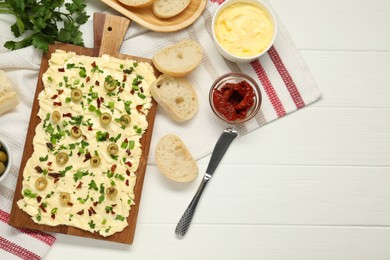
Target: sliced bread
[137,3]
[169,8]
[8,97]
[180,59]
[176,96]
[174,160]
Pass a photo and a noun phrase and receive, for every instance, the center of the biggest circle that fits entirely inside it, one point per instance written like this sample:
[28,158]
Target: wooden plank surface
[109,31]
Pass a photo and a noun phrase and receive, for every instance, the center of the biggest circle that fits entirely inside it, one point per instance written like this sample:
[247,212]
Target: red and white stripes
[22,243]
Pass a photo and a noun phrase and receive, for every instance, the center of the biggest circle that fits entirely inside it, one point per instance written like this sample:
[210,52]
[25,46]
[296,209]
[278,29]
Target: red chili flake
[87,79]
[54,96]
[113,168]
[39,198]
[128,163]
[93,64]
[132,91]
[139,107]
[124,78]
[61,69]
[42,208]
[91,211]
[81,212]
[87,157]
[89,129]
[127,182]
[127,172]
[141,89]
[84,137]
[128,152]
[53,216]
[70,204]
[95,203]
[60,91]
[57,104]
[67,115]
[50,146]
[56,180]
[38,169]
[54,174]
[98,102]
[97,83]
[78,154]
[49,163]
[80,185]
[120,90]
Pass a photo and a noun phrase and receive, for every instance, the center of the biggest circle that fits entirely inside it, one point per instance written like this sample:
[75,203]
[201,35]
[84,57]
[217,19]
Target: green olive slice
[76,132]
[76,94]
[95,161]
[3,157]
[41,183]
[62,158]
[125,120]
[112,149]
[105,118]
[111,192]
[56,116]
[110,84]
[2,168]
[64,198]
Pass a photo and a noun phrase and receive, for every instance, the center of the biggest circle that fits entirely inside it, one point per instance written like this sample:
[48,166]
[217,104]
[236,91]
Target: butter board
[109,31]
[144,15]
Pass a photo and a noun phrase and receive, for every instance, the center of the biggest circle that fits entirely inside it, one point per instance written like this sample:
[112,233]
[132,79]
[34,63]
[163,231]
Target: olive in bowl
[5,159]
[235,97]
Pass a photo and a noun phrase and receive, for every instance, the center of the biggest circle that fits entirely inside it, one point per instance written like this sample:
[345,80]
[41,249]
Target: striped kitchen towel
[282,74]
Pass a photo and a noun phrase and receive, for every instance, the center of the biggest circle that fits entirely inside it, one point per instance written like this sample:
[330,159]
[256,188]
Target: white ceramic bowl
[233,57]
[7,150]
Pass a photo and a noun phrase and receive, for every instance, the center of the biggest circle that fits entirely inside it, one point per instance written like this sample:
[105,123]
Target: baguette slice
[176,96]
[180,59]
[8,97]
[169,8]
[137,3]
[174,160]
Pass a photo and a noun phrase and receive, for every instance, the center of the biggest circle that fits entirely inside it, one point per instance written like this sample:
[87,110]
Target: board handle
[109,32]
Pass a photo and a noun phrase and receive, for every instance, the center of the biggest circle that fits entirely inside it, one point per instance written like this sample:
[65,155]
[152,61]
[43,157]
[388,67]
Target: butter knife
[220,148]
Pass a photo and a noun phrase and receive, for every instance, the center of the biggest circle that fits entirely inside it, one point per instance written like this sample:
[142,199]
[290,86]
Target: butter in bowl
[243,30]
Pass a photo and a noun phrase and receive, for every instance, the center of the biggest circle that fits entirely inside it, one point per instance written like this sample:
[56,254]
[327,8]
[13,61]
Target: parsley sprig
[41,20]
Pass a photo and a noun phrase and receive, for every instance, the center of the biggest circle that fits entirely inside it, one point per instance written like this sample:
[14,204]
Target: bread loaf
[137,3]
[176,96]
[8,97]
[180,59]
[174,160]
[169,8]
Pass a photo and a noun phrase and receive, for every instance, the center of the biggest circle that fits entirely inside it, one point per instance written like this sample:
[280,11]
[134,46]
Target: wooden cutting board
[109,32]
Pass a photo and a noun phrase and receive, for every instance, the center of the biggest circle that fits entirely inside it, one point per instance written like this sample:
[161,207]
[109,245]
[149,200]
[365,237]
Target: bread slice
[8,97]
[176,96]
[174,160]
[169,8]
[180,59]
[137,3]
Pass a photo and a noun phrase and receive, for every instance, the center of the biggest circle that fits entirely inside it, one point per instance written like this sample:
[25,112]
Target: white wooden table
[312,185]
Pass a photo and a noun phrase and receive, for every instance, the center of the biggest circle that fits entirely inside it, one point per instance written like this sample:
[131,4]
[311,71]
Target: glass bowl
[233,104]
[5,148]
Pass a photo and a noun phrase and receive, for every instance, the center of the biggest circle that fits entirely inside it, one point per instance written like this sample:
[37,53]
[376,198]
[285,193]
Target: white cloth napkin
[282,74]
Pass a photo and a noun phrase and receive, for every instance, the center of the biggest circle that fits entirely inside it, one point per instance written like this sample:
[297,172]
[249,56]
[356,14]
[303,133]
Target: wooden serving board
[109,32]
[144,16]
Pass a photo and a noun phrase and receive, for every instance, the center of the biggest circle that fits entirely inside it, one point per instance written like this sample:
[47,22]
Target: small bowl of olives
[5,159]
